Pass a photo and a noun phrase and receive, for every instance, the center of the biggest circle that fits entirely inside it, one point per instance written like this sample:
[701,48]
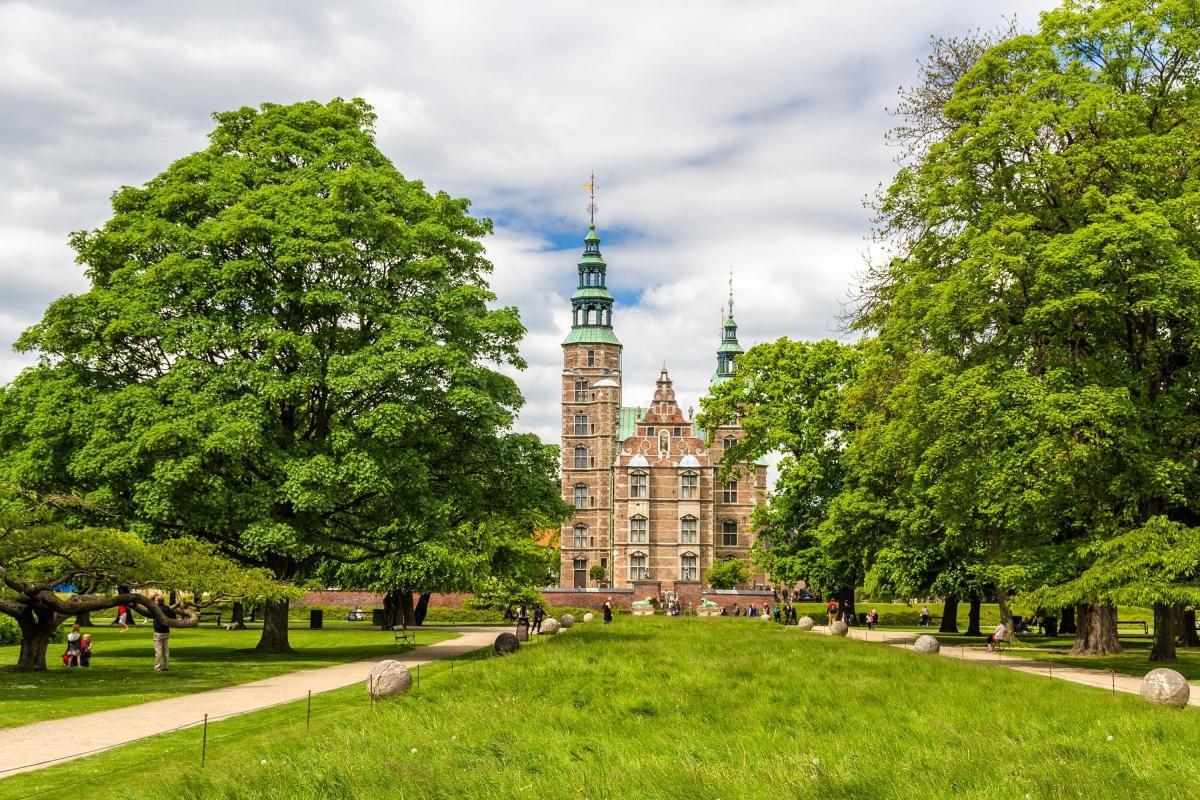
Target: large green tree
[286,349]
[1044,282]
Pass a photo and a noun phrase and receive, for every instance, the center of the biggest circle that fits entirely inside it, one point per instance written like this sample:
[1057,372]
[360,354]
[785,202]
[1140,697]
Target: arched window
[581,535]
[581,495]
[664,443]
[729,533]
[730,493]
[581,457]
[689,530]
[581,424]
[639,486]
[689,486]
[729,442]
[638,569]
[689,567]
[581,391]
[639,529]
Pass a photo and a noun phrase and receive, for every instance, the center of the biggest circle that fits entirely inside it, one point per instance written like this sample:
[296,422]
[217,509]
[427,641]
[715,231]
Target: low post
[418,676]
[204,742]
[1114,681]
[308,712]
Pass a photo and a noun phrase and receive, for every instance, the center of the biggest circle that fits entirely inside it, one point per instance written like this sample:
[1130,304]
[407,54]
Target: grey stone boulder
[805,623]
[926,644]
[566,621]
[1165,687]
[549,626]
[507,644]
[388,679]
[839,628]
[588,617]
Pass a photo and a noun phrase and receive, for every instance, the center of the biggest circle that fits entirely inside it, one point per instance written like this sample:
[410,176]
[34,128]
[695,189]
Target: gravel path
[24,749]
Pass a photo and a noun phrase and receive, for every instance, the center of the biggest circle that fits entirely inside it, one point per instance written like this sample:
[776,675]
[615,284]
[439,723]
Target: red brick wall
[581,599]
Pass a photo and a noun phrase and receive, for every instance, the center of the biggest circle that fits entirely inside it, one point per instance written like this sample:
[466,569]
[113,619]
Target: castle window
[689,486]
[639,529]
[729,442]
[689,530]
[581,495]
[579,573]
[581,391]
[729,533]
[581,424]
[639,486]
[591,358]
[581,457]
[650,431]
[729,493]
[678,431]
[688,567]
[581,535]
[638,570]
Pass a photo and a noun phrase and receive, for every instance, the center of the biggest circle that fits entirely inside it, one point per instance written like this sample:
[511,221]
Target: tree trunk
[1163,648]
[391,609]
[1006,616]
[422,608]
[949,615]
[1097,634]
[973,615]
[84,619]
[239,616]
[274,637]
[1185,626]
[1066,622]
[36,630]
[407,609]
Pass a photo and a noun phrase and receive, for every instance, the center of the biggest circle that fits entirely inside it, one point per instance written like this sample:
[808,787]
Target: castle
[649,508]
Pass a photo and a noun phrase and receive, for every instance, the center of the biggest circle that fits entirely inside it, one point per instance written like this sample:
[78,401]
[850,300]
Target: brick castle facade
[650,508]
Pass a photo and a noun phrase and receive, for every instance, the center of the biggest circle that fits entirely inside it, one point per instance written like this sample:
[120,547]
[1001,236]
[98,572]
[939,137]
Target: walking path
[1113,682]
[25,748]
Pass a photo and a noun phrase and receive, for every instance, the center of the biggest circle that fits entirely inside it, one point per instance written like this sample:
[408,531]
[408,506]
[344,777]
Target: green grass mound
[692,708]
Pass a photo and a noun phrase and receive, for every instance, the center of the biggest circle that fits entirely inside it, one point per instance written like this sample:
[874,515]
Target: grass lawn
[201,658]
[677,708]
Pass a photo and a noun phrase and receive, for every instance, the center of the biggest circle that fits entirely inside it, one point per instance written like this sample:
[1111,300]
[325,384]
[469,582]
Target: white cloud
[722,134]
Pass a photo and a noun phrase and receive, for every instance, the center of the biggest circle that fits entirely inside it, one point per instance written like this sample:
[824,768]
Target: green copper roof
[591,335]
[592,236]
[630,417]
[728,346]
[591,291]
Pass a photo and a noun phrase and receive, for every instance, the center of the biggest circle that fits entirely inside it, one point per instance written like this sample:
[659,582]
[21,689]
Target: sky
[723,135]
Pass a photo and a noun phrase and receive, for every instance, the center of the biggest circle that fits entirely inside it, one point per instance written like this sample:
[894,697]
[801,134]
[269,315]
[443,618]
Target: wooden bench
[1141,622]
[215,616]
[404,636]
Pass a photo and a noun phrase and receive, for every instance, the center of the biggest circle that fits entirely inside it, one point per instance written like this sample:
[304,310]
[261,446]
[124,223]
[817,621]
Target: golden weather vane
[592,207]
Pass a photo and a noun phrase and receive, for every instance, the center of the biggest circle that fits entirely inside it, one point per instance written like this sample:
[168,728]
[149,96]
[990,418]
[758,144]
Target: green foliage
[597,573]
[286,349]
[499,594]
[728,574]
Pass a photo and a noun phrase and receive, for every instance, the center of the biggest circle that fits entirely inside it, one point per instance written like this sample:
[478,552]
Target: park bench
[215,616]
[1139,622]
[404,636]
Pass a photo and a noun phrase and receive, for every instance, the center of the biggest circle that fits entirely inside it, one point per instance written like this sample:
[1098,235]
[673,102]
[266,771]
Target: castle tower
[591,403]
[729,349]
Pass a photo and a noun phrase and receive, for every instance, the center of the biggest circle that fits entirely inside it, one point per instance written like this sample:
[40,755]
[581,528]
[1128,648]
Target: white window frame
[581,424]
[581,391]
[726,532]
[640,571]
[689,486]
[729,492]
[580,493]
[639,485]
[639,529]
[581,450]
[689,567]
[687,536]
[581,534]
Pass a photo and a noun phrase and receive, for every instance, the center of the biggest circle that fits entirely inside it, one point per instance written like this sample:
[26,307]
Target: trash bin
[523,630]
[316,619]
[377,617]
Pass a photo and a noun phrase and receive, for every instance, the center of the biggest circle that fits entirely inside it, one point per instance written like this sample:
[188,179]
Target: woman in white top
[74,639]
[997,635]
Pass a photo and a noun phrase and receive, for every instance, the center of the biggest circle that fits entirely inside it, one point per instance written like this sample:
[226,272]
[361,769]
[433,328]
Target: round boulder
[507,644]
[549,626]
[805,623]
[566,621]
[588,617]
[1166,687]
[389,679]
[926,644]
[839,628]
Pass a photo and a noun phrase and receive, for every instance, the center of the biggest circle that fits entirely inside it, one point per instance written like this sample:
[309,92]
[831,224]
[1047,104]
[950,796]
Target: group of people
[79,644]
[783,613]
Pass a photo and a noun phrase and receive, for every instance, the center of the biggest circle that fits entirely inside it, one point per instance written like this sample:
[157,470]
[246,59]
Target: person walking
[608,611]
[162,634]
[925,617]
[831,611]
[538,616]
[872,619]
